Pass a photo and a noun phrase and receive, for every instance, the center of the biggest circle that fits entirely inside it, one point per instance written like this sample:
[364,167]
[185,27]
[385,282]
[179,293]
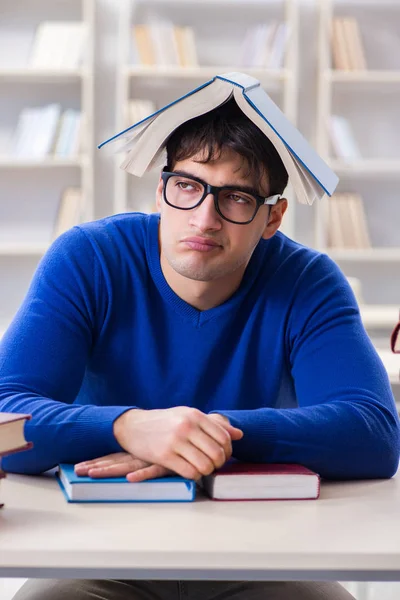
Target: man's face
[199,244]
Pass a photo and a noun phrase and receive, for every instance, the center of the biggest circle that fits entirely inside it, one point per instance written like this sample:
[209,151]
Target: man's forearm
[339,440]
[62,433]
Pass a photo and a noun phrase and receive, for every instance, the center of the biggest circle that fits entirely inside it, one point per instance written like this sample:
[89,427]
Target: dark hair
[228,127]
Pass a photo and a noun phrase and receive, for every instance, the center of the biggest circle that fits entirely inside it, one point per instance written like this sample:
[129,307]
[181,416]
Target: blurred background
[74,72]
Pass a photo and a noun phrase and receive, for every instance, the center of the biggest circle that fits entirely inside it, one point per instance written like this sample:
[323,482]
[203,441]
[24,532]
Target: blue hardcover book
[144,142]
[118,489]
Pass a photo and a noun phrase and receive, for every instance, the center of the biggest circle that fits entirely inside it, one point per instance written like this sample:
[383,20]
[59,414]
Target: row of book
[342,139]
[58,45]
[47,131]
[69,212]
[264,46]
[164,44]
[347,222]
[348,52]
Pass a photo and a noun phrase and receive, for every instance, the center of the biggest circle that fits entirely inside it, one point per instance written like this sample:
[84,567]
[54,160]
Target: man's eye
[238,199]
[185,185]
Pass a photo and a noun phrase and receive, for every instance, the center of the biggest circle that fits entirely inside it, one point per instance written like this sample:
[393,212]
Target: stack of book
[69,211]
[47,131]
[342,139]
[164,44]
[347,222]
[347,47]
[12,438]
[58,45]
[264,46]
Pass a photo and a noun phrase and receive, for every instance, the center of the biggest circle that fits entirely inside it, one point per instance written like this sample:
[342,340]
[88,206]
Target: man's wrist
[119,425]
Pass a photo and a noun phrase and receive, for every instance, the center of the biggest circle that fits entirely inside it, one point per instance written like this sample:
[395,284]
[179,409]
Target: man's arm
[346,423]
[43,356]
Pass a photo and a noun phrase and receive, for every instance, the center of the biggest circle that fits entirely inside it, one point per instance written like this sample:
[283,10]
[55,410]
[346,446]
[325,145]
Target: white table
[351,533]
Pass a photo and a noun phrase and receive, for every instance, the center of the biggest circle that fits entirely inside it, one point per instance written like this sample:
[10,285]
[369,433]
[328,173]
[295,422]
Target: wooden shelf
[11,162]
[366,76]
[202,72]
[42,75]
[365,255]
[22,249]
[366,167]
[379,315]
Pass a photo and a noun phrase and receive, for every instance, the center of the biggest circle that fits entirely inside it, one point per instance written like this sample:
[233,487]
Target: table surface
[352,532]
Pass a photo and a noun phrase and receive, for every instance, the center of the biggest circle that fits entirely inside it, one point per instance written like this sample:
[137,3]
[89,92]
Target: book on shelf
[12,436]
[69,211]
[138,109]
[395,339]
[264,46]
[348,52]
[119,489]
[342,139]
[253,481]
[58,45]
[347,222]
[163,44]
[46,131]
[144,142]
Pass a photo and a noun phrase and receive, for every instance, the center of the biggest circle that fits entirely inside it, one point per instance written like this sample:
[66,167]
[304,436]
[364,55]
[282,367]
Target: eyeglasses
[232,203]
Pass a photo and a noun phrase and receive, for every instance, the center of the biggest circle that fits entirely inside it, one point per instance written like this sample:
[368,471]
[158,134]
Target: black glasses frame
[215,190]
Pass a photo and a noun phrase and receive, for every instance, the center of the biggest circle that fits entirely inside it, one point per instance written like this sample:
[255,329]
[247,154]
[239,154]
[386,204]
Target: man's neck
[202,295]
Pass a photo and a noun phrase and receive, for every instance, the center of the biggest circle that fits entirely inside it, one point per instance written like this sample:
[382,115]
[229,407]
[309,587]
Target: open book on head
[144,142]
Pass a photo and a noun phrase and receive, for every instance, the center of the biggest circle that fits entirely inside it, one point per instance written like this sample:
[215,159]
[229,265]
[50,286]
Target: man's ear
[159,194]
[275,218]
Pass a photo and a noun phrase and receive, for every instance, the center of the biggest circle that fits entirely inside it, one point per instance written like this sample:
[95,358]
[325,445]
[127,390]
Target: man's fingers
[82,468]
[151,472]
[211,449]
[116,470]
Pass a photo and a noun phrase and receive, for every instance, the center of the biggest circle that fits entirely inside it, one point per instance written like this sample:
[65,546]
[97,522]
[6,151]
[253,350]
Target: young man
[149,343]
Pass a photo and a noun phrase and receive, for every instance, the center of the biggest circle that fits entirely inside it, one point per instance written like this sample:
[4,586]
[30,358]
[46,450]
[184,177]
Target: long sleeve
[346,423]
[43,357]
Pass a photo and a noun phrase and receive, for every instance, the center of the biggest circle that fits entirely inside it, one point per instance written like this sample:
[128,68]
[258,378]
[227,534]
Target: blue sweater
[286,358]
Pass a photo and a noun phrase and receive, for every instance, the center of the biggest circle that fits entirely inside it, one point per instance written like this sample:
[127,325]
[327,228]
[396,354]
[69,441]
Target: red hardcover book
[253,481]
[12,437]
[395,339]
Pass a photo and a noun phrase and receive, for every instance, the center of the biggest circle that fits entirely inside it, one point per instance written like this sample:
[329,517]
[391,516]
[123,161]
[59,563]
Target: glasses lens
[237,206]
[183,192]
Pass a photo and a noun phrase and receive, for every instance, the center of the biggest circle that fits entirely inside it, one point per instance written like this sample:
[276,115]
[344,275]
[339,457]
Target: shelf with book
[356,132]
[46,131]
[204,41]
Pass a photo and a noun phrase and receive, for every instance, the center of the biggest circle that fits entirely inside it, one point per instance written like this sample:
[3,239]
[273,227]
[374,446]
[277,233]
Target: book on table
[253,481]
[12,436]
[119,489]
[395,339]
[144,142]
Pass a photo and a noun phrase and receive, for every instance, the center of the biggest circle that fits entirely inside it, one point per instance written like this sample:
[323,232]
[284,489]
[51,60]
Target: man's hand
[120,464]
[181,439]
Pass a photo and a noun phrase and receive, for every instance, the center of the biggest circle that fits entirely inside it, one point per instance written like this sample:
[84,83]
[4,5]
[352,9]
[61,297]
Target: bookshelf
[367,96]
[36,183]
[217,27]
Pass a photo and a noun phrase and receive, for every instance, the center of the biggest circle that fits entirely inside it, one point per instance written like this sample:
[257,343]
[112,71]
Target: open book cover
[144,142]
[254,481]
[395,339]
[119,489]
[12,436]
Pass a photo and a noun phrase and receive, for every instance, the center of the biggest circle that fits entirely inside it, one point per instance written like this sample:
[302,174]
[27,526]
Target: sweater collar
[198,317]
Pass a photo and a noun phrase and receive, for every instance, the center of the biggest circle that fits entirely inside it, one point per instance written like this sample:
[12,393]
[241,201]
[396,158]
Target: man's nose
[205,216]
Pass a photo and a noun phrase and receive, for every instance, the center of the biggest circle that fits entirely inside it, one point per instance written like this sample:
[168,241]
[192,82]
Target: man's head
[222,148]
